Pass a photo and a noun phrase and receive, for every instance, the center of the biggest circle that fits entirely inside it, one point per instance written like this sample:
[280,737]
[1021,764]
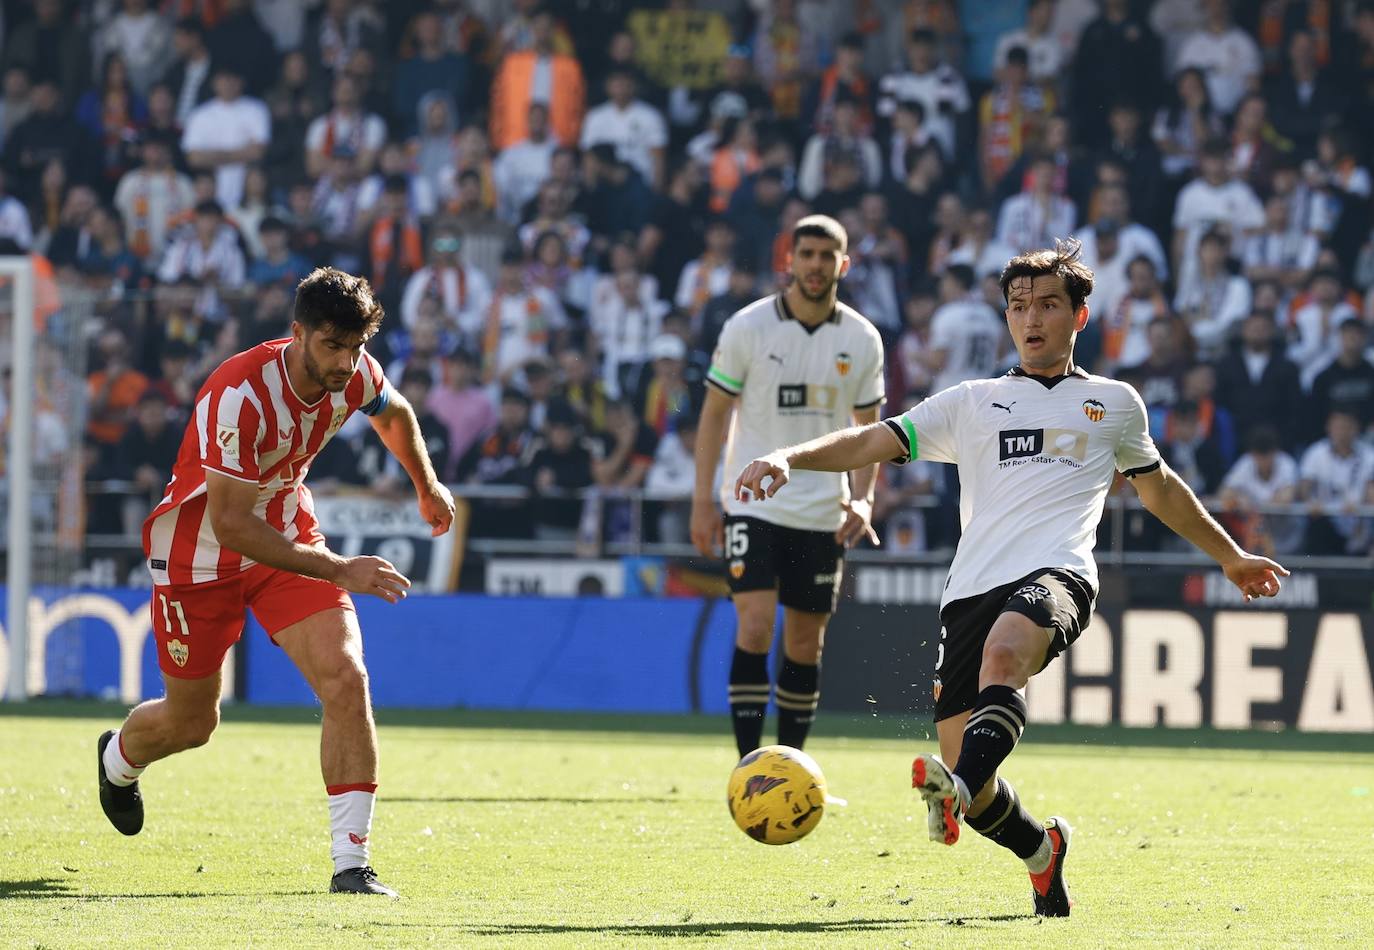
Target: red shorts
[196,624]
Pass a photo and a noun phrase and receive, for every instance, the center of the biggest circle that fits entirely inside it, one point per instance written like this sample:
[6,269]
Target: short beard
[317,377]
[825,292]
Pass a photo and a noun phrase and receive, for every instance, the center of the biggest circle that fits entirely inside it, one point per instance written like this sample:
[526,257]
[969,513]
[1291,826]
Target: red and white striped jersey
[250,425]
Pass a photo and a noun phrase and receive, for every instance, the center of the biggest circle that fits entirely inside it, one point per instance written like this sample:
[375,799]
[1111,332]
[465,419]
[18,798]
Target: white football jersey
[1036,459]
[793,384]
[972,334]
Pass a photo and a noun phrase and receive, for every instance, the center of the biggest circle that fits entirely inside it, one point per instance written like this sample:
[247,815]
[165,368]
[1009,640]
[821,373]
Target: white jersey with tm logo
[794,383]
[1036,458]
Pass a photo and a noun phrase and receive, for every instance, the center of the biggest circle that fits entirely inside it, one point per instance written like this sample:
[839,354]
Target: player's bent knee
[1005,664]
[344,689]
[196,731]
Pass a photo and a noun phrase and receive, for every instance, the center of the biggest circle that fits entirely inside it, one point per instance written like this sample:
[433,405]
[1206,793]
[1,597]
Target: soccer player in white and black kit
[1037,451]
[789,367]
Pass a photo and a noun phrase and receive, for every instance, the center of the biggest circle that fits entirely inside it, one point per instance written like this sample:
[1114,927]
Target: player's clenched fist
[372,575]
[750,484]
[436,507]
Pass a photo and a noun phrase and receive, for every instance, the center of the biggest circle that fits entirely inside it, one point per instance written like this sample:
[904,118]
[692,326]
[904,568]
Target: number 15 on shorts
[737,539]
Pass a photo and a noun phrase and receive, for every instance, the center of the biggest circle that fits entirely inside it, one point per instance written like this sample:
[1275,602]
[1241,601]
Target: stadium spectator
[1117,60]
[431,69]
[151,196]
[378,468]
[560,464]
[269,319]
[206,252]
[708,275]
[15,88]
[1255,146]
[908,141]
[1190,447]
[1215,199]
[104,260]
[1010,115]
[1184,125]
[1044,54]
[14,218]
[144,456]
[635,128]
[915,365]
[1212,300]
[1226,55]
[754,212]
[46,134]
[1112,203]
[189,78]
[277,264]
[1316,324]
[843,79]
[665,397]
[616,194]
[238,42]
[141,37]
[937,86]
[227,134]
[540,73]
[736,158]
[672,475]
[627,450]
[521,325]
[65,245]
[1346,382]
[1258,384]
[1280,252]
[739,94]
[1264,475]
[1034,217]
[742,290]
[114,389]
[1129,145]
[1159,379]
[1336,475]
[966,335]
[345,127]
[521,168]
[462,292]
[53,48]
[625,315]
[845,139]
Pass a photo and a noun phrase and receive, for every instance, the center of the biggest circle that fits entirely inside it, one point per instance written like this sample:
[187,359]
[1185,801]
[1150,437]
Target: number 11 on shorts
[166,617]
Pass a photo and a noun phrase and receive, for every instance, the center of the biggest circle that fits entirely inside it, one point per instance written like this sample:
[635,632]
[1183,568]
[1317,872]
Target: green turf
[576,831]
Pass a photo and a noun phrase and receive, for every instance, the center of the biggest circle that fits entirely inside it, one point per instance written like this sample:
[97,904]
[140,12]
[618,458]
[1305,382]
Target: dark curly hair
[1061,261]
[329,297]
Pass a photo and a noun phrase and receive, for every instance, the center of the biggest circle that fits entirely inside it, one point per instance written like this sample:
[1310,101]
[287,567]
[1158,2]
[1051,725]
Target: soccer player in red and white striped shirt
[236,530]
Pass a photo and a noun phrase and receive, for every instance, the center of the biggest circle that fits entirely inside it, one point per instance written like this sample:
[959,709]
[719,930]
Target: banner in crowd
[680,47]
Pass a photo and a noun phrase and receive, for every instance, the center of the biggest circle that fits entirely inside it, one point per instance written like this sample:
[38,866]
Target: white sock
[1040,860]
[350,824]
[118,769]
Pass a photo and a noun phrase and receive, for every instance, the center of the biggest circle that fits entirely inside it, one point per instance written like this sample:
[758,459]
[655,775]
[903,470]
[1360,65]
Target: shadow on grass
[61,889]
[499,800]
[913,728]
[720,928]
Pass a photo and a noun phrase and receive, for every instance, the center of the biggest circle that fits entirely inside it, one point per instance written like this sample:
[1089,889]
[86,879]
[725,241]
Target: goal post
[17,270]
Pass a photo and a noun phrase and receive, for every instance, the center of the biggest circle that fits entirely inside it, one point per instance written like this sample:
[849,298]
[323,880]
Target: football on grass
[777,794]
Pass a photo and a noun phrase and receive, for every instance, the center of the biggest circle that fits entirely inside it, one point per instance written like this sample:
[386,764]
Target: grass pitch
[526,830]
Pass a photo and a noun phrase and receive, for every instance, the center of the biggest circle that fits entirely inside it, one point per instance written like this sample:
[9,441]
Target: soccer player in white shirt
[1037,451]
[786,368]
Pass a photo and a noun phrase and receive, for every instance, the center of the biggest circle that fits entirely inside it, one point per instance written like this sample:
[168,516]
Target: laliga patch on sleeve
[227,438]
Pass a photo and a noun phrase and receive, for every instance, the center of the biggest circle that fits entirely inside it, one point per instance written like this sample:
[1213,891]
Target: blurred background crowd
[561,203]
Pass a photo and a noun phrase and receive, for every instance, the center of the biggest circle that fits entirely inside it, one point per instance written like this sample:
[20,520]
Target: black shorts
[1054,598]
[804,567]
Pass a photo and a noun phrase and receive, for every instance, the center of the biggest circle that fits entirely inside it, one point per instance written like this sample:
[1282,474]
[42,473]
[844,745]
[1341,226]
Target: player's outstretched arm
[1168,498]
[842,451]
[230,504]
[399,431]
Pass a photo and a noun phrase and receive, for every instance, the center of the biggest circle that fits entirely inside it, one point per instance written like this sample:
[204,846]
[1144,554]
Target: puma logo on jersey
[775,358]
[998,405]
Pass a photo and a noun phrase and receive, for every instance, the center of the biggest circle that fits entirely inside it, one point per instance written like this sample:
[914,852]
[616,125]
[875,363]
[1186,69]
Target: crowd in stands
[560,204]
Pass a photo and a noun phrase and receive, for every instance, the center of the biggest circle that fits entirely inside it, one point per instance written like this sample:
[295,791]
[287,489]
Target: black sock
[748,698]
[993,729]
[1007,823]
[796,699]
